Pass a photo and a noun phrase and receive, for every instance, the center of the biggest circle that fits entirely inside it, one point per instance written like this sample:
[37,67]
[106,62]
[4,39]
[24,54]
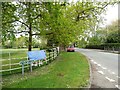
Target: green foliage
[8,17]
[8,44]
[109,34]
[21,42]
[106,38]
[108,46]
[72,21]
[113,37]
[94,46]
[113,33]
[82,43]
[60,23]
[94,40]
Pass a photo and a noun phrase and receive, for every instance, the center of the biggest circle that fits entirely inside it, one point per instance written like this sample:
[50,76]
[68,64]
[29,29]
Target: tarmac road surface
[104,68]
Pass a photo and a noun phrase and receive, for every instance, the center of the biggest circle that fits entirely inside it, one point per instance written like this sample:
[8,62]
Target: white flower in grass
[68,86]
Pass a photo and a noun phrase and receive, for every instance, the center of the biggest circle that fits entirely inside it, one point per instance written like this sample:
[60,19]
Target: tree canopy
[113,32]
[61,23]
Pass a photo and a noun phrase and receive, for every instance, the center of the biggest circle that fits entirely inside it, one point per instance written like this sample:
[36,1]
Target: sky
[111,15]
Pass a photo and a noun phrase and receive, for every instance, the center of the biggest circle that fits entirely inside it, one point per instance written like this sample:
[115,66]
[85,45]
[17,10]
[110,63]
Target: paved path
[104,68]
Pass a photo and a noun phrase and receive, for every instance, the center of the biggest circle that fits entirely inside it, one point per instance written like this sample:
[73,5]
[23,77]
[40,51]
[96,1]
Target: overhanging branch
[23,23]
[36,34]
[17,32]
[15,21]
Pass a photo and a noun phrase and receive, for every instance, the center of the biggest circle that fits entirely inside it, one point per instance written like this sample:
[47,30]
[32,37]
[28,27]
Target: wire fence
[10,61]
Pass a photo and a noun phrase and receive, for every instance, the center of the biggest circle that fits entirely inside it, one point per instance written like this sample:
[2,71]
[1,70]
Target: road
[104,68]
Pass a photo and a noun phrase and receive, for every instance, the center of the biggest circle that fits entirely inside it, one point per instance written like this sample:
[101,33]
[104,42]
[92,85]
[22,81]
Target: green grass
[69,70]
[19,54]
[14,53]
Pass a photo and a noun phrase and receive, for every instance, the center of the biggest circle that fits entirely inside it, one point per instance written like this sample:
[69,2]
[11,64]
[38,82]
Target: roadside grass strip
[69,70]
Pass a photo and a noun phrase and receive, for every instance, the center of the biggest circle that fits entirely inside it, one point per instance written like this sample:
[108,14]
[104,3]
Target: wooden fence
[51,54]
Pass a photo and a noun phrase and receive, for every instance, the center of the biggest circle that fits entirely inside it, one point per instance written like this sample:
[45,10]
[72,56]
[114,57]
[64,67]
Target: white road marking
[117,76]
[103,68]
[113,72]
[109,53]
[92,60]
[99,65]
[104,52]
[111,80]
[117,86]
[95,62]
[101,72]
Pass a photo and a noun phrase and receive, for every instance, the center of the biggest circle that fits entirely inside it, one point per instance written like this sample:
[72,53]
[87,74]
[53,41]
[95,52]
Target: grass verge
[69,70]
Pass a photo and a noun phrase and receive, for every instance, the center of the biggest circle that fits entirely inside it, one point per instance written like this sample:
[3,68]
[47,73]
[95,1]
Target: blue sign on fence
[36,55]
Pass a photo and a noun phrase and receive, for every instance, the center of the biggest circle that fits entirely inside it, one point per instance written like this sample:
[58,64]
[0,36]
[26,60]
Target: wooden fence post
[10,61]
[23,69]
[57,51]
[113,49]
[31,66]
[49,56]
[53,54]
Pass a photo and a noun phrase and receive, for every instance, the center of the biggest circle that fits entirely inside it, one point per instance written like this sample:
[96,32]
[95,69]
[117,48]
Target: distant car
[70,49]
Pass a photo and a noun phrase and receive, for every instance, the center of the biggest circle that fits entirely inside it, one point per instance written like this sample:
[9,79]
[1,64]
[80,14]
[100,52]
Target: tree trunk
[30,39]
[30,28]
[62,48]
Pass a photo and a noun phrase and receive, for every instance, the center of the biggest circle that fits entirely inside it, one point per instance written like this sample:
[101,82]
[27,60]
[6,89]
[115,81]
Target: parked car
[70,49]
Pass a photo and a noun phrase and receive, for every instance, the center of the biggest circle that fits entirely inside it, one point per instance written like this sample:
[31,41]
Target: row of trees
[22,42]
[113,32]
[60,23]
[108,34]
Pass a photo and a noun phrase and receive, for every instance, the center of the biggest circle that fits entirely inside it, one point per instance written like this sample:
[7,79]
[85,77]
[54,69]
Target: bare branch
[104,6]
[15,21]
[23,23]
[36,34]
[17,32]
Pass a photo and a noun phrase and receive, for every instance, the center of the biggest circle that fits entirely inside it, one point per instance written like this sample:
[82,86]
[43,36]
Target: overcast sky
[111,14]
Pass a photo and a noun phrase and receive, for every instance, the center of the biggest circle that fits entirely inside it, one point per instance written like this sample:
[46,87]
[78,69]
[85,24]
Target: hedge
[109,46]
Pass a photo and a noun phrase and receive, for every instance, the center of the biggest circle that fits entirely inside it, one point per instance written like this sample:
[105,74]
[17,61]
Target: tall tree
[59,21]
[112,32]
[27,15]
[8,18]
[70,21]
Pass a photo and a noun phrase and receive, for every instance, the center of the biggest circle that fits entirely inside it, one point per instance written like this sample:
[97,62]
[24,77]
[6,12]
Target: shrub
[116,46]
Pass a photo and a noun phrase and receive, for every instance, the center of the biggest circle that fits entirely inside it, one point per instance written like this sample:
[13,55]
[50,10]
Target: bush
[116,46]
[94,46]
